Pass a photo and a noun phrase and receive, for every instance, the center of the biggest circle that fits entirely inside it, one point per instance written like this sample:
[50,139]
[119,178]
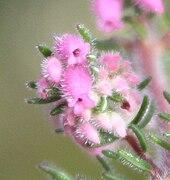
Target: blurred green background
[26,134]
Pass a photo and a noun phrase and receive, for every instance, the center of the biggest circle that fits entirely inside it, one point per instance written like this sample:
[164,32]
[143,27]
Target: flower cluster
[110,12]
[88,96]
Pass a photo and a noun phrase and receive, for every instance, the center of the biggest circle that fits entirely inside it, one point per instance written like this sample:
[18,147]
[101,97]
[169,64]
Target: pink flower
[52,69]
[111,61]
[120,85]
[81,103]
[109,13]
[77,84]
[70,117]
[104,87]
[132,78]
[155,6]
[112,122]
[72,49]
[119,125]
[87,132]
[103,73]
[42,84]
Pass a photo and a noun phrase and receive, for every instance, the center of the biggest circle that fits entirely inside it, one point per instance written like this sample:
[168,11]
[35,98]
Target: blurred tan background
[26,134]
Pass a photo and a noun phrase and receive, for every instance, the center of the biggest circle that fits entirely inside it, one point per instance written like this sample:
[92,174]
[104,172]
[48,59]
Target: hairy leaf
[140,136]
[144,83]
[59,130]
[106,165]
[167,96]
[85,33]
[42,101]
[148,115]
[108,176]
[134,160]
[31,84]
[142,110]
[167,135]
[105,139]
[44,50]
[116,97]
[54,172]
[58,110]
[129,159]
[110,154]
[160,142]
[165,116]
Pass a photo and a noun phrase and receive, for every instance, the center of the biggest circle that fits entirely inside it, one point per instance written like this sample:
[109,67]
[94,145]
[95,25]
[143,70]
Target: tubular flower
[77,84]
[109,14]
[72,49]
[155,6]
[52,69]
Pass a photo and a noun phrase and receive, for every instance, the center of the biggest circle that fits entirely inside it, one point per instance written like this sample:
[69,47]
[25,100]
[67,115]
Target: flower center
[109,23]
[76,52]
[80,99]
[125,105]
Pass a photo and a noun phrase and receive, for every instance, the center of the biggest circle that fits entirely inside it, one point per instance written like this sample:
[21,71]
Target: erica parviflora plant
[97,98]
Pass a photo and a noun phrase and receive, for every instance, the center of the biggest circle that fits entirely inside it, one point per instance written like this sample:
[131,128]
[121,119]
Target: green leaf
[160,142]
[106,165]
[58,110]
[141,111]
[116,97]
[165,116]
[94,70]
[140,136]
[111,154]
[52,91]
[44,50]
[148,115]
[167,135]
[85,33]
[167,96]
[129,159]
[54,172]
[31,84]
[42,101]
[108,176]
[59,130]
[103,105]
[105,139]
[91,57]
[134,160]
[144,83]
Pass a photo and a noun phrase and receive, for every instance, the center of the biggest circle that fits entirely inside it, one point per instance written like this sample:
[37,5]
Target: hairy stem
[150,57]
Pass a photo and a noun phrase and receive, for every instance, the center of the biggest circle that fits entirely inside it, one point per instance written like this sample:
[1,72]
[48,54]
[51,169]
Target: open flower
[109,13]
[72,49]
[77,85]
[81,103]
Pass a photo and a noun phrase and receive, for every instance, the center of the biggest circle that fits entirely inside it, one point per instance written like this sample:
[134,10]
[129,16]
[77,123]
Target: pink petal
[89,132]
[54,69]
[78,108]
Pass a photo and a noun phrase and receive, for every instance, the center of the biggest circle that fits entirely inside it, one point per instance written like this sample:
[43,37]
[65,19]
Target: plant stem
[150,57]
